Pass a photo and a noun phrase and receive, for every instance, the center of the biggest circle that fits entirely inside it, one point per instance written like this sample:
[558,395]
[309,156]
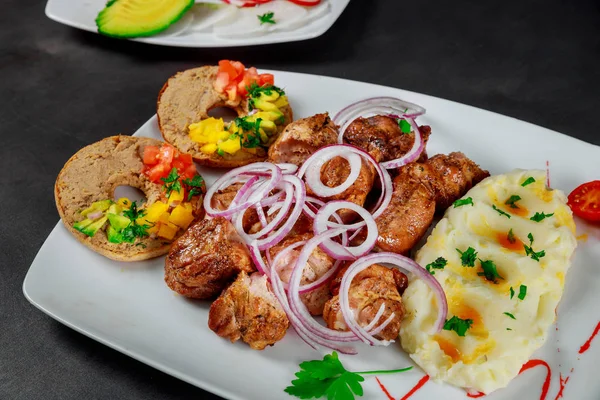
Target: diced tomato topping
[177,163]
[266,79]
[222,81]
[157,172]
[189,172]
[150,155]
[226,66]
[186,158]
[240,68]
[166,154]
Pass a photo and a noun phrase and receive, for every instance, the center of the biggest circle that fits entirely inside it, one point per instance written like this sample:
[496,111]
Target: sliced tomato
[306,3]
[266,79]
[222,81]
[177,163]
[166,154]
[239,67]
[186,158]
[157,172]
[585,201]
[189,172]
[150,156]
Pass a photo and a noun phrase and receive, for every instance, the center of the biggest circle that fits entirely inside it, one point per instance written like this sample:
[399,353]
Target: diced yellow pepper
[207,130]
[209,148]
[281,102]
[124,203]
[167,231]
[155,210]
[230,146]
[164,217]
[176,196]
[182,216]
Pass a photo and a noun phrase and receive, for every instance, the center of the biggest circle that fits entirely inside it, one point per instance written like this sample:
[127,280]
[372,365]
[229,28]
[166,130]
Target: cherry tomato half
[585,201]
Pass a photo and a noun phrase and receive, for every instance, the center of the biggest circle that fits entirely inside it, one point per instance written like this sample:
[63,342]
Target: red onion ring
[413,153]
[374,106]
[312,168]
[395,260]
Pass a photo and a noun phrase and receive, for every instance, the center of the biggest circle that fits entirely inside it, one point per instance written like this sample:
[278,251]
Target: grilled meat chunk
[370,289]
[206,258]
[248,310]
[381,137]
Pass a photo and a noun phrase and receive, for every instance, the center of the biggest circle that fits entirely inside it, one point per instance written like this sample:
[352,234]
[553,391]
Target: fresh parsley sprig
[490,272]
[467,257]
[254,92]
[328,377]
[195,186]
[463,202]
[528,181]
[439,263]
[535,255]
[507,215]
[267,18]
[404,126]
[134,230]
[458,325]
[512,200]
[511,237]
[538,217]
[171,182]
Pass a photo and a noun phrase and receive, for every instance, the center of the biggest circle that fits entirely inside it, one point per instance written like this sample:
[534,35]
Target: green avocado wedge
[140,18]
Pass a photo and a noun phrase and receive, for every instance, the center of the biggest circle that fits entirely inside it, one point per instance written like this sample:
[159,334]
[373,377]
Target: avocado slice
[118,222]
[134,18]
[113,235]
[101,205]
[264,105]
[90,227]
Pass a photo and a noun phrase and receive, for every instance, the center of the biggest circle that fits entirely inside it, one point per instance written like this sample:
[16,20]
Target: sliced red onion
[262,218]
[288,168]
[383,325]
[312,168]
[257,259]
[398,261]
[375,106]
[336,250]
[413,153]
[95,215]
[258,194]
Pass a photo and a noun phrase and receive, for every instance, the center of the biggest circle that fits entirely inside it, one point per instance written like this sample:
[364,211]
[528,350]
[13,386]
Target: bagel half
[92,174]
[187,97]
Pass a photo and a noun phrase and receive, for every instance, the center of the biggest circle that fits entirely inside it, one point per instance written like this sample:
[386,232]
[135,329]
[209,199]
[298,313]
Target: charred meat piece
[455,175]
[302,225]
[370,289]
[419,191]
[318,264]
[206,258]
[248,310]
[381,137]
[222,199]
[302,138]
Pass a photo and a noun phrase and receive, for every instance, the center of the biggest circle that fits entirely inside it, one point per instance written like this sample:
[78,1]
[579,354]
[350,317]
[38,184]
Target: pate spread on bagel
[123,229]
[186,98]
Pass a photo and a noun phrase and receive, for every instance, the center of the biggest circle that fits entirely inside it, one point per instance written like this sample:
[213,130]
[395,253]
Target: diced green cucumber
[136,18]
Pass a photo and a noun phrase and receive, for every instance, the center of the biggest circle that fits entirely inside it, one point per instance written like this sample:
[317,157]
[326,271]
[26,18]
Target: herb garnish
[528,181]
[254,92]
[463,202]
[522,292]
[512,292]
[458,325]
[467,258]
[512,200]
[510,315]
[267,18]
[540,216]
[195,184]
[328,377]
[489,271]
[511,236]
[439,263]
[171,182]
[500,211]
[508,329]
[404,126]
[250,132]
[530,252]
[134,230]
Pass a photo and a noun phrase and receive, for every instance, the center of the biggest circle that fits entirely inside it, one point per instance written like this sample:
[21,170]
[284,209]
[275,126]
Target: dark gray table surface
[61,88]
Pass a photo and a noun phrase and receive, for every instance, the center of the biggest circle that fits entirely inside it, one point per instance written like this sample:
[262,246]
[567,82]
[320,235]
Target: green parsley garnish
[522,292]
[512,200]
[404,126]
[528,181]
[511,236]
[195,186]
[328,378]
[512,292]
[530,252]
[467,258]
[439,263]
[171,182]
[540,216]
[489,271]
[267,18]
[508,329]
[458,325]
[510,315]
[134,230]
[248,132]
[500,211]
[463,202]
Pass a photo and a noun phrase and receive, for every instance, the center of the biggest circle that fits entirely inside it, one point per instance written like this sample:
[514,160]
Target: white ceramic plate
[128,307]
[82,15]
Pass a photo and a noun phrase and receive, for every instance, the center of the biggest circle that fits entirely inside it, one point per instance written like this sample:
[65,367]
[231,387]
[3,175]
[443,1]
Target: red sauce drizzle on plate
[475,395]
[563,383]
[389,396]
[534,363]
[587,344]
[418,386]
